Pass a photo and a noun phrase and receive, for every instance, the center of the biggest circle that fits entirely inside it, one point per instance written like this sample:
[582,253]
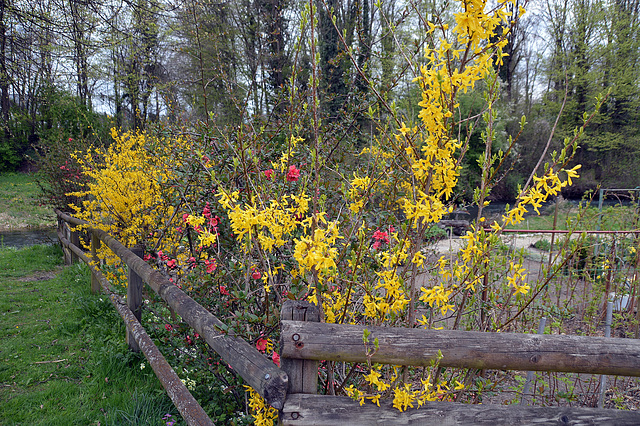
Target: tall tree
[4,79]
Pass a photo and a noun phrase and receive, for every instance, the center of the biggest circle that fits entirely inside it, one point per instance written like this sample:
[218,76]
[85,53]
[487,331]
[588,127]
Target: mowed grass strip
[63,357]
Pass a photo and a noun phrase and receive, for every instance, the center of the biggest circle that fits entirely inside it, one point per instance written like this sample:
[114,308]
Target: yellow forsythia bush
[286,241]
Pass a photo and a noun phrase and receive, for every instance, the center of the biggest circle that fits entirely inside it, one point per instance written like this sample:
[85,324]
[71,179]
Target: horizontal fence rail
[325,410]
[464,349]
[256,370]
[563,231]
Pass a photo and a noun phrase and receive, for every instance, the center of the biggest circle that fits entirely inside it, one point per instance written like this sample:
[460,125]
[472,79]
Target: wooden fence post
[74,238]
[134,298]
[303,374]
[95,244]
[62,233]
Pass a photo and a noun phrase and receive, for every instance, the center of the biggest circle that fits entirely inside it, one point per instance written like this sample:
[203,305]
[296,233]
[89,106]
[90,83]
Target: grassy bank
[612,218]
[63,359]
[20,204]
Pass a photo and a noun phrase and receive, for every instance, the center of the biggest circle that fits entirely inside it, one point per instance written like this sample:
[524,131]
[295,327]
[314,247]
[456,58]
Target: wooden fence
[304,341]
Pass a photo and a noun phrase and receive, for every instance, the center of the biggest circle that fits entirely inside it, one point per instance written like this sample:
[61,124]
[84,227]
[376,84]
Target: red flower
[293,174]
[381,236]
[261,344]
[206,212]
[268,174]
[169,327]
[70,139]
[185,216]
[223,290]
[172,263]
[276,358]
[256,275]
[211,265]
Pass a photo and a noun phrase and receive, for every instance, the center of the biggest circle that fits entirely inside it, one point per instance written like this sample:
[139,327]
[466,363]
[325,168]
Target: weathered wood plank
[303,374]
[134,298]
[498,351]
[325,410]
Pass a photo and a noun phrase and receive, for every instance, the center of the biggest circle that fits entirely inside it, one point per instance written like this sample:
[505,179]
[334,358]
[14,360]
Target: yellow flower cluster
[263,414]
[389,299]
[516,276]
[431,150]
[283,163]
[549,184]
[438,296]
[333,303]
[317,252]
[359,186]
[474,25]
[127,193]
[404,395]
[271,224]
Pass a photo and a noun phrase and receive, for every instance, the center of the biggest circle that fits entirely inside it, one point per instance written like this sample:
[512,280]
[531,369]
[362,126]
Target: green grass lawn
[63,356]
[20,203]
[614,218]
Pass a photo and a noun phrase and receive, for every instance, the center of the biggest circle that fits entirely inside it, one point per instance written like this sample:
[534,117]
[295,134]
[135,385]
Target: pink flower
[276,358]
[293,174]
[185,216]
[172,263]
[381,236]
[268,174]
[169,327]
[256,275]
[223,290]
[261,344]
[70,139]
[206,212]
[211,265]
